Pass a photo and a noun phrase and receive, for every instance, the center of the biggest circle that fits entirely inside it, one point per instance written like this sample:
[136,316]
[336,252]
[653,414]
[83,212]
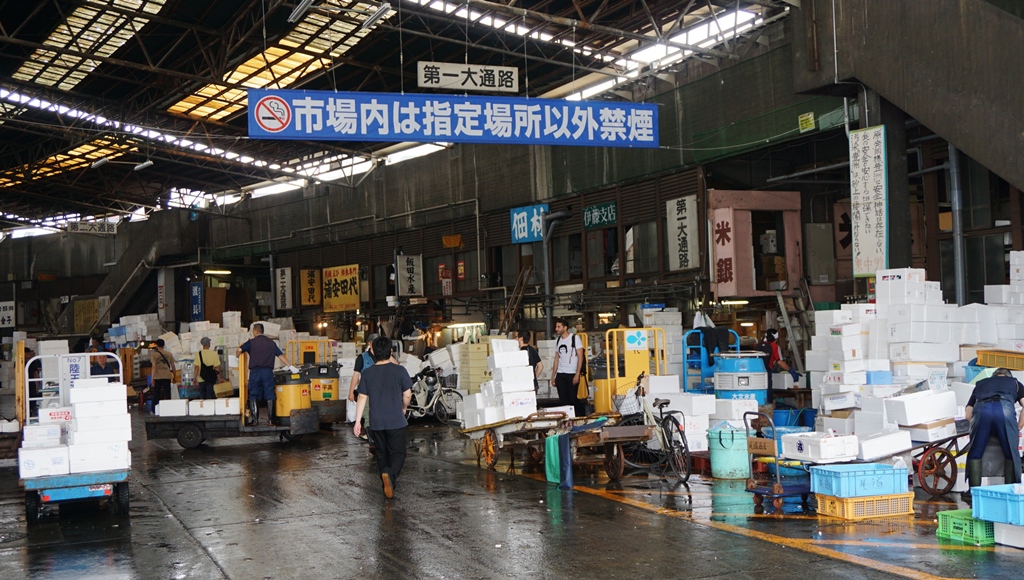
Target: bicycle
[668,448]
[433,393]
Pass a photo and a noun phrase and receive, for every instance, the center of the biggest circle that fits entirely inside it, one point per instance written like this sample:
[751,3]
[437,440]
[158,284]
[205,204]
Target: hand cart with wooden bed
[603,444]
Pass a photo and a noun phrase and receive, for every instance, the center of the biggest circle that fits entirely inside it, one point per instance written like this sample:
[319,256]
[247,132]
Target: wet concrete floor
[260,508]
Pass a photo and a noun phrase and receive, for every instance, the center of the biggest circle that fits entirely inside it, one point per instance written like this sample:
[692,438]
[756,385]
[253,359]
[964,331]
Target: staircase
[954,65]
[508,314]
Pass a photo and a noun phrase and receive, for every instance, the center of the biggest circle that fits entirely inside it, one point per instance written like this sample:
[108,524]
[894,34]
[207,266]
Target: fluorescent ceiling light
[382,10]
[746,324]
[735,302]
[300,10]
[99,162]
[217,272]
[143,165]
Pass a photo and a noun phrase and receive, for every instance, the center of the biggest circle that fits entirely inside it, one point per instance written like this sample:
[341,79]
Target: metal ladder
[515,300]
[797,347]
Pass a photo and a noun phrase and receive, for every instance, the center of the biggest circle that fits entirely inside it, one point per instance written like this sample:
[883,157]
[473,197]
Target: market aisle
[244,508]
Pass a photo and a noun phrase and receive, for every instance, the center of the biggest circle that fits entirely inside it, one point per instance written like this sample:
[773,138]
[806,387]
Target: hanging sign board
[528,223]
[410,275]
[467,77]
[103,228]
[724,236]
[446,281]
[341,288]
[681,214]
[86,314]
[868,201]
[426,118]
[195,301]
[600,216]
[310,287]
[7,319]
[283,288]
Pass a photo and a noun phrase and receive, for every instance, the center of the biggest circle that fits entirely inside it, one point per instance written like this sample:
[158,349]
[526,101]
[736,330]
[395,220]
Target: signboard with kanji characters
[682,243]
[410,275]
[283,288]
[86,314]
[105,228]
[467,77]
[601,215]
[429,118]
[309,285]
[341,288]
[869,198]
[195,301]
[7,318]
[724,256]
[446,280]
[528,223]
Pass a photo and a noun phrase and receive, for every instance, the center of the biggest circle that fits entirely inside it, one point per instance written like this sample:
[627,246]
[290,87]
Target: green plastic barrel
[729,459]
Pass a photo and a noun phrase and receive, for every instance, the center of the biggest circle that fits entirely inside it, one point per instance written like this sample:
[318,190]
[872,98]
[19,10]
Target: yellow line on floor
[803,545]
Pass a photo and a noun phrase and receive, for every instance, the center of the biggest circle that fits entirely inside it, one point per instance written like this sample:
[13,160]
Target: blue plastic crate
[778,432]
[858,480]
[998,503]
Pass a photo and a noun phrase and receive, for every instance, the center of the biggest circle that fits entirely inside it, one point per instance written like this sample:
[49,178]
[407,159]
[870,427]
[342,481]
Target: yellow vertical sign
[341,288]
[309,287]
[86,313]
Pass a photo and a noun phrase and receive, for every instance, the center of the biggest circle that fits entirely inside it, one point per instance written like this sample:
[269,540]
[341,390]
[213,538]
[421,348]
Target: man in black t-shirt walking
[390,388]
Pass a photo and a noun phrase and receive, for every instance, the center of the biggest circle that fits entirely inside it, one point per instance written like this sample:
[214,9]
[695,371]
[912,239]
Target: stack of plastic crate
[1003,506]
[861,491]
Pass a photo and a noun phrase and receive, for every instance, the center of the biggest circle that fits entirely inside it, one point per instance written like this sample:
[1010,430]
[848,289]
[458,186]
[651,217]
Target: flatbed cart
[519,433]
[934,462]
[98,485]
[774,491]
[606,445]
[192,431]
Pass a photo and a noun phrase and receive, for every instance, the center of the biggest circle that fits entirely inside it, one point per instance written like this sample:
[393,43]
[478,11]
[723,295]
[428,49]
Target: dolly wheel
[120,500]
[286,436]
[758,499]
[190,436]
[937,471]
[777,502]
[489,448]
[614,465]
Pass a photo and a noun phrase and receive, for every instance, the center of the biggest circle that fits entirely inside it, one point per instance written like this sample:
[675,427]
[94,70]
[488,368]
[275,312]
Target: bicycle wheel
[640,454]
[679,453]
[444,407]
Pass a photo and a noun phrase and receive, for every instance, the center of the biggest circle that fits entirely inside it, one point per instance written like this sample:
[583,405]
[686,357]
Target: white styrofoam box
[694,404]
[865,423]
[513,374]
[10,426]
[90,383]
[500,360]
[904,274]
[861,311]
[838,401]
[108,392]
[815,379]
[816,398]
[503,345]
[569,410]
[847,355]
[877,364]
[55,414]
[100,408]
[850,329]
[900,313]
[270,329]
[41,432]
[847,378]
[201,407]
[491,415]
[847,366]
[837,388]
[546,345]
[963,392]
[99,436]
[1008,534]
[473,402]
[933,431]
[883,444]
[838,344]
[663,384]
[819,342]
[783,381]
[900,292]
[831,317]
[102,464]
[438,357]
[922,407]
[172,408]
[918,351]
[503,387]
[93,451]
[818,446]
[733,409]
[958,370]
[816,360]
[41,444]
[908,332]
[841,425]
[228,406]
[997,294]
[871,404]
[487,389]
[882,390]
[696,426]
[697,442]
[52,347]
[714,424]
[823,329]
[101,423]
[43,462]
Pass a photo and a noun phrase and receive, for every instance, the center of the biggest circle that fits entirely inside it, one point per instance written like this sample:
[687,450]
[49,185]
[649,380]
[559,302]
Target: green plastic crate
[960,526]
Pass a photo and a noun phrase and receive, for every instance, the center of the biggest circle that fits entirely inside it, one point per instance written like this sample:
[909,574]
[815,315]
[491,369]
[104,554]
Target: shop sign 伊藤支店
[600,215]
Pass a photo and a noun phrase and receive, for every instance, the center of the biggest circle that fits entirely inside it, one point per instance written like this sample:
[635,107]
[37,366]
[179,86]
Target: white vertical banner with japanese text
[7,317]
[724,238]
[683,238]
[283,288]
[410,275]
[869,197]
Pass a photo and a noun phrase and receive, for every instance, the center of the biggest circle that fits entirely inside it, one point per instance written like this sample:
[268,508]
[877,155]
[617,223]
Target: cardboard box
[918,408]
[99,436]
[100,409]
[43,462]
[172,408]
[101,423]
[932,431]
[842,413]
[500,360]
[884,444]
[108,392]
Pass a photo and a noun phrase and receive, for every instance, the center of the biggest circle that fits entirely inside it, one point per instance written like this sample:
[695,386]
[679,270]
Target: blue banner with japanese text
[195,300]
[429,118]
[528,223]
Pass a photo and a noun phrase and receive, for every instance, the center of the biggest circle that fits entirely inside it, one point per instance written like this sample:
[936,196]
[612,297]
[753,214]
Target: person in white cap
[207,368]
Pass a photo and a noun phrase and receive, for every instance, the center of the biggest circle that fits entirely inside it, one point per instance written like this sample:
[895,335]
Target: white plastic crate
[819,446]
[1008,535]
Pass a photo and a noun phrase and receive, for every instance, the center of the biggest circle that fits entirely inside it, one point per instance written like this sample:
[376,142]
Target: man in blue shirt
[262,351]
[390,388]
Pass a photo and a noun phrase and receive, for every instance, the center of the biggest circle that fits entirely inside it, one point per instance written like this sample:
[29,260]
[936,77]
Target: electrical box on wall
[820,252]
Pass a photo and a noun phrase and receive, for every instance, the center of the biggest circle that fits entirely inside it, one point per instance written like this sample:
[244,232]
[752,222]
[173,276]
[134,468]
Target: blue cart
[99,485]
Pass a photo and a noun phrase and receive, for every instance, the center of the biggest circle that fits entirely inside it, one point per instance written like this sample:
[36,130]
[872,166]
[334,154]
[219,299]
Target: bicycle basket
[629,403]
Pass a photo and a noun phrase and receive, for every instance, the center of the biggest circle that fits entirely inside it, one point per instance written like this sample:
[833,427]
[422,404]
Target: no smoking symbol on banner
[273,114]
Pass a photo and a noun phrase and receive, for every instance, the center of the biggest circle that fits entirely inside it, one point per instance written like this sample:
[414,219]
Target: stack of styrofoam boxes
[729,413]
[100,428]
[231,320]
[473,366]
[696,409]
[43,451]
[546,350]
[919,416]
[411,363]
[846,375]
[818,359]
[442,360]
[512,380]
[671,321]
[1012,293]
[345,352]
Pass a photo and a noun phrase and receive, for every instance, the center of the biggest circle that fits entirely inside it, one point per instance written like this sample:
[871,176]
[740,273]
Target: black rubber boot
[1010,475]
[270,413]
[973,478]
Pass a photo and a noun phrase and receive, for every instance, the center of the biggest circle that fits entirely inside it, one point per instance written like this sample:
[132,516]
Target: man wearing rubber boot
[262,351]
[389,387]
[991,413]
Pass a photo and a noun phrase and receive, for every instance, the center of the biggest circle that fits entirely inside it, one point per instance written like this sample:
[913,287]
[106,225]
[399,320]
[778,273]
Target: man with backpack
[568,366]
[363,361]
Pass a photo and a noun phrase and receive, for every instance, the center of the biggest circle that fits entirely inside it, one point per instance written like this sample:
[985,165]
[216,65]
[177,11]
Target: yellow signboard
[806,121]
[309,287]
[341,288]
[86,313]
